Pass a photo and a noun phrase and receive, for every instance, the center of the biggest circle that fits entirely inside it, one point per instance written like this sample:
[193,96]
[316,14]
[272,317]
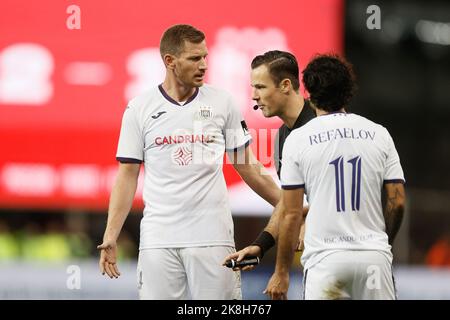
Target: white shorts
[358,275]
[182,273]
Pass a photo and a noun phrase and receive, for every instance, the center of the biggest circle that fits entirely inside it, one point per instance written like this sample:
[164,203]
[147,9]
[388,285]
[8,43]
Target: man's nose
[255,95]
[203,65]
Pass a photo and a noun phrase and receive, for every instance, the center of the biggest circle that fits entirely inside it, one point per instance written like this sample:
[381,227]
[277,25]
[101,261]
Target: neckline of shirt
[333,113]
[169,98]
[300,116]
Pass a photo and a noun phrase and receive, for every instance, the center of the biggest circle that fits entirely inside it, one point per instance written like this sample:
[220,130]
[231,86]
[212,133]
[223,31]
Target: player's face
[265,93]
[190,64]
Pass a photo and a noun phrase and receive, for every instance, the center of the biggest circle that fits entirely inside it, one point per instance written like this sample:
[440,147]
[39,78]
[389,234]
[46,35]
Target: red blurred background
[62,91]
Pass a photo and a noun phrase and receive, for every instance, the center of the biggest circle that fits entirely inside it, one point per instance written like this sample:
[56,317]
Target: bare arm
[394,208]
[272,228]
[120,203]
[272,225]
[289,230]
[290,223]
[255,175]
[121,199]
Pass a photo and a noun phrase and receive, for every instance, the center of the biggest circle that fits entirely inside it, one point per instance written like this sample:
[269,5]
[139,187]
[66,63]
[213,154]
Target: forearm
[120,203]
[394,209]
[273,224]
[287,240]
[257,178]
[393,216]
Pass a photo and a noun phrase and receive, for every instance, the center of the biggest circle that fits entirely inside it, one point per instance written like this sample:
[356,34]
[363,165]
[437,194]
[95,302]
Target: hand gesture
[108,259]
[278,286]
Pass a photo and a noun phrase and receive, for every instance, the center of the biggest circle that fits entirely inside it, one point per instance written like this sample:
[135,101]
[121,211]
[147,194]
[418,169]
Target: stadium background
[63,91]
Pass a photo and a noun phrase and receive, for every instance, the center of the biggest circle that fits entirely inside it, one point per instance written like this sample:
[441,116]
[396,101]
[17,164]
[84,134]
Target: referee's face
[190,65]
[265,93]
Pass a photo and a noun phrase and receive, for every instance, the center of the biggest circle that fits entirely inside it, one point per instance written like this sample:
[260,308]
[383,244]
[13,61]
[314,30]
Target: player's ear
[285,85]
[169,61]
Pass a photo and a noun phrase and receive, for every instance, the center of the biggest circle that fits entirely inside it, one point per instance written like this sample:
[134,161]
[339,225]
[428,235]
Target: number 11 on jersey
[339,180]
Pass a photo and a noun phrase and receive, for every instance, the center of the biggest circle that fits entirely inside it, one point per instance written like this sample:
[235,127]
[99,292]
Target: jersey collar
[301,116]
[168,98]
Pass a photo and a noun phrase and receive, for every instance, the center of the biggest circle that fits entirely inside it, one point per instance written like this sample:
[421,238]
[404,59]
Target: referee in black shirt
[276,90]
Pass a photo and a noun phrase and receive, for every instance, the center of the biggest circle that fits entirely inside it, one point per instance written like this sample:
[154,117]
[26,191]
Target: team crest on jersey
[204,113]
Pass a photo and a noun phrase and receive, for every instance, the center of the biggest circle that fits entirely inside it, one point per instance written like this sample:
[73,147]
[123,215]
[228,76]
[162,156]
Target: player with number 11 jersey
[342,159]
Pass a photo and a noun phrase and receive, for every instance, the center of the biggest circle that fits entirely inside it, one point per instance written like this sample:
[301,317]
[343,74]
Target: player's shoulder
[300,134]
[307,127]
[214,92]
[370,124]
[145,99]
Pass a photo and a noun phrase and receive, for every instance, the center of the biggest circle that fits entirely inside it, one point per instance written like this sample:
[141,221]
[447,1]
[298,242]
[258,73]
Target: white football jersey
[342,161]
[182,147]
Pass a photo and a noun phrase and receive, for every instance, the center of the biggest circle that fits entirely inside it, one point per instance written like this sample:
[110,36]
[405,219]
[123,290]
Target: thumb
[230,257]
[242,255]
[103,246]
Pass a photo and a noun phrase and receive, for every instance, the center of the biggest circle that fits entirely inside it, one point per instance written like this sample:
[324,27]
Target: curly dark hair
[330,81]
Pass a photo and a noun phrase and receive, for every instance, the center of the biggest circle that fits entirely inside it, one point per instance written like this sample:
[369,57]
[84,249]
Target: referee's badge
[205,113]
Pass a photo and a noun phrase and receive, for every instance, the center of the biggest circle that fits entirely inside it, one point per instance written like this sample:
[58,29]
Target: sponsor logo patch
[182,156]
[156,116]
[244,127]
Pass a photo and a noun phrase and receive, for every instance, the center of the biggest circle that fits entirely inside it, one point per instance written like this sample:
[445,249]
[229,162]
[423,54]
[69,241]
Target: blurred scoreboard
[63,91]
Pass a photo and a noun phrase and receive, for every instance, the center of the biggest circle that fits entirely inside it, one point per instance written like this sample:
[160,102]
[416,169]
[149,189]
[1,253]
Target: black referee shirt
[283,132]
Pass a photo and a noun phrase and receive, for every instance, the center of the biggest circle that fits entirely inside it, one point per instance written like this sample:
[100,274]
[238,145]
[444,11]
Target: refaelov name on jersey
[342,133]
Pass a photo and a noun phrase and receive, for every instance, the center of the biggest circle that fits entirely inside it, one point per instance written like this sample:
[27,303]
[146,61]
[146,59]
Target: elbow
[305,212]
[293,219]
[395,212]
[293,214]
[242,169]
[400,207]
[400,213]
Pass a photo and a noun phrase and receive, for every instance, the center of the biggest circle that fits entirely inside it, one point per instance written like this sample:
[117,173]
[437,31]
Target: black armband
[265,241]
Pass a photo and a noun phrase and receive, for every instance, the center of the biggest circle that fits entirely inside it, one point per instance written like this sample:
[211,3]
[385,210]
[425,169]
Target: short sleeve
[236,131]
[393,172]
[291,171]
[131,142]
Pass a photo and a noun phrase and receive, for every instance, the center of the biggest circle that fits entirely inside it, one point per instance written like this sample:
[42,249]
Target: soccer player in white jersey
[341,161]
[180,131]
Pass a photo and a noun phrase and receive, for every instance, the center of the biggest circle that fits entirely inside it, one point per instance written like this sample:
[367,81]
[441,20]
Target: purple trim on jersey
[334,112]
[239,148]
[394,181]
[128,160]
[164,93]
[293,187]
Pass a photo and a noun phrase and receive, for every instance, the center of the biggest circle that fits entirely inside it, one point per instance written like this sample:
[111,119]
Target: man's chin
[267,114]
[198,83]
